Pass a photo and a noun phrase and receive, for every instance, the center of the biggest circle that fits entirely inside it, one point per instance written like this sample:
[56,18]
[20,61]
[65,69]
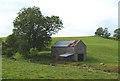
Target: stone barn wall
[56,51]
[80,48]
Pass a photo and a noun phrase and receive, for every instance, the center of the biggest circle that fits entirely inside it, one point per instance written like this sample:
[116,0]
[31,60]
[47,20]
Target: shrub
[7,50]
[33,52]
[17,56]
[10,46]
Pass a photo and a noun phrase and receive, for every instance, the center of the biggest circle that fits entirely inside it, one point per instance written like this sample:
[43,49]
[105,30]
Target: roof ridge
[66,43]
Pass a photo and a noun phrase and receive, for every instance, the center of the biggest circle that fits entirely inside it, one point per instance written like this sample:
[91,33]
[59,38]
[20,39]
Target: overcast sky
[80,17]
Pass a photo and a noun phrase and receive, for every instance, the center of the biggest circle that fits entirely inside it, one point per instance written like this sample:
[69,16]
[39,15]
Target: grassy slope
[25,70]
[98,50]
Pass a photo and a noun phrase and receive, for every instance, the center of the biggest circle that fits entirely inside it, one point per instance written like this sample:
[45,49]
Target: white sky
[80,17]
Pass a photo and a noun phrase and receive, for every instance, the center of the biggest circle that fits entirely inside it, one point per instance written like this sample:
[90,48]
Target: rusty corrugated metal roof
[66,43]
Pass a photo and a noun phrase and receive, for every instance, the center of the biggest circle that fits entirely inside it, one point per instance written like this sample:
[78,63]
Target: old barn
[72,50]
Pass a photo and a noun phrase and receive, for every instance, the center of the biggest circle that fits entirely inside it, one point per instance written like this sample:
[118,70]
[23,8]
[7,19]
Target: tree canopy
[117,34]
[99,31]
[34,30]
[106,33]
[102,32]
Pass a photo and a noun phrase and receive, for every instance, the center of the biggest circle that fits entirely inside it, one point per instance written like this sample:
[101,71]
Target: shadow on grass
[45,58]
[91,59]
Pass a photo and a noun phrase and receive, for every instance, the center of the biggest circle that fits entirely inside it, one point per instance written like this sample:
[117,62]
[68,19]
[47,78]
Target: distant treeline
[105,33]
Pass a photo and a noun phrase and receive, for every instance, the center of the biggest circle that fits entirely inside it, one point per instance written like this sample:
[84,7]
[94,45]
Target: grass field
[99,50]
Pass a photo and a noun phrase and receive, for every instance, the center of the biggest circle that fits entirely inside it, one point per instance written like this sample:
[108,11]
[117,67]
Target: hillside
[99,50]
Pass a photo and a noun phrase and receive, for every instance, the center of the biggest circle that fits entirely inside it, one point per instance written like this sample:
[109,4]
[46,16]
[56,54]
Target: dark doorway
[80,57]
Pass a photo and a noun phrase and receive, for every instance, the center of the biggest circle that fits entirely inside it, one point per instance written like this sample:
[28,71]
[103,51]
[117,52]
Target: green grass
[99,50]
[26,70]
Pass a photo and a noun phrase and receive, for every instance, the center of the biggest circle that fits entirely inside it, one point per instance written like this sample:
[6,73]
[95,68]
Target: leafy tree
[117,34]
[106,33]
[10,46]
[102,32]
[23,47]
[99,31]
[34,30]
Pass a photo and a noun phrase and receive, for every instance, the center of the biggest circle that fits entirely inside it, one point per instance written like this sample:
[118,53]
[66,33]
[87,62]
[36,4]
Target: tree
[106,33]
[117,34]
[99,31]
[33,29]
[102,32]
[10,46]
